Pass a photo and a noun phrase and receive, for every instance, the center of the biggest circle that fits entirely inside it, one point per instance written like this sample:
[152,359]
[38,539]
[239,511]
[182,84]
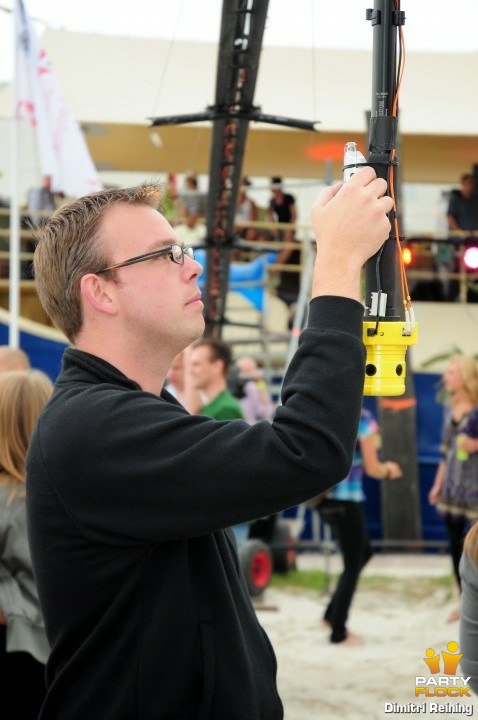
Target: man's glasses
[176,253]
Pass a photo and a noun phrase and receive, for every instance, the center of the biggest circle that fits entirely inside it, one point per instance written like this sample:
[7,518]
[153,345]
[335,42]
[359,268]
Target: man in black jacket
[128,495]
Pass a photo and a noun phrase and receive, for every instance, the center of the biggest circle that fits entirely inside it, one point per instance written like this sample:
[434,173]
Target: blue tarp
[429,419]
[44,354]
[250,272]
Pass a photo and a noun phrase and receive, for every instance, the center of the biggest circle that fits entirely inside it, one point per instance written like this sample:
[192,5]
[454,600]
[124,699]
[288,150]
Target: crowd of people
[276,223]
[185,206]
[207,379]
[121,594]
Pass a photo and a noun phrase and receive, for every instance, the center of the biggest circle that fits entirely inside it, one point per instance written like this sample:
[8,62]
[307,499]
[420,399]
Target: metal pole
[14,264]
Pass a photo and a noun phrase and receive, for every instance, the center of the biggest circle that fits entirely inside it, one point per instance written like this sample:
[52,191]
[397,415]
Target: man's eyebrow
[160,244]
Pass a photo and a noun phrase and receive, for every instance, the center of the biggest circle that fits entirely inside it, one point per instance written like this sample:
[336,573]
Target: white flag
[64,154]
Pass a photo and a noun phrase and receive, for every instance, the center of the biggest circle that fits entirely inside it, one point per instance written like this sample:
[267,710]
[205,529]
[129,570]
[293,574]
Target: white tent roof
[126,80]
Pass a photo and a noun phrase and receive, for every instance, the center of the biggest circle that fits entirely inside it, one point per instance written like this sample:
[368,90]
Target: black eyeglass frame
[181,251]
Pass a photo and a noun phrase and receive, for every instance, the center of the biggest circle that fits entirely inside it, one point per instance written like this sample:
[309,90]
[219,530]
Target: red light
[470,258]
[326,151]
[407,256]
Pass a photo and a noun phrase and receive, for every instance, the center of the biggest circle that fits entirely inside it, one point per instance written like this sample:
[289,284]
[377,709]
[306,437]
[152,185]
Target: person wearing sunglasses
[130,498]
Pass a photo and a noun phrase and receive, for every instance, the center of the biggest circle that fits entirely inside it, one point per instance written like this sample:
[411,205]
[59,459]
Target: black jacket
[128,496]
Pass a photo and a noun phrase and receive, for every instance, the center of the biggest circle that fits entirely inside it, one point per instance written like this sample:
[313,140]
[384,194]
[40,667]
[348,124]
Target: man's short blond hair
[69,246]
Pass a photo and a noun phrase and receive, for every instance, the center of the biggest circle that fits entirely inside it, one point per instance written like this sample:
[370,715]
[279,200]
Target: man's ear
[98,293]
[221,368]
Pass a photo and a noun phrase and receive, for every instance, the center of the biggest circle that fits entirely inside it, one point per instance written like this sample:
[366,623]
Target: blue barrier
[44,353]
[253,271]
[429,420]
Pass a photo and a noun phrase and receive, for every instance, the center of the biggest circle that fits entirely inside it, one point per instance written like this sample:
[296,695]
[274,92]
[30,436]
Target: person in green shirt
[209,364]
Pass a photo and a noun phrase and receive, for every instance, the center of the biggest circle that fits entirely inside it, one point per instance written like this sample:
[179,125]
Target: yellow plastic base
[385,368]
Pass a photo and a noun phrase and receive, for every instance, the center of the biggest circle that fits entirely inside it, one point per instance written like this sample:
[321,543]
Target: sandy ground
[397,620]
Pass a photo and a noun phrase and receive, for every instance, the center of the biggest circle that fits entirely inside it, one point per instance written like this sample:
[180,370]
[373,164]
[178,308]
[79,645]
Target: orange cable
[403,277]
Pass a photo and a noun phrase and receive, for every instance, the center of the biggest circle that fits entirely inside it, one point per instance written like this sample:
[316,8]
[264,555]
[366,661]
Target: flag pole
[14,261]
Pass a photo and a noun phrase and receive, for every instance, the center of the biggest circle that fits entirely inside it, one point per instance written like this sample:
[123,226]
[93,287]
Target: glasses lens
[177,254]
[189,251]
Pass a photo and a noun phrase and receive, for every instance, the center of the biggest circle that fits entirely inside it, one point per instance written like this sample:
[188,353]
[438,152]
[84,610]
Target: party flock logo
[439,686]
[448,684]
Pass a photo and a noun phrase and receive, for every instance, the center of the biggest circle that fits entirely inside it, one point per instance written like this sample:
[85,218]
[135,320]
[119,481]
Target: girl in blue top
[343,510]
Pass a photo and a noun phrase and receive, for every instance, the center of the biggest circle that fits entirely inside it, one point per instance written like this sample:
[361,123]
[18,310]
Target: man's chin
[197,331]
[203,326]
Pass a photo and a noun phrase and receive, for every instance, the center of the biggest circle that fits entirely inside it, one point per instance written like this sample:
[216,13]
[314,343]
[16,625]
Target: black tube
[380,271]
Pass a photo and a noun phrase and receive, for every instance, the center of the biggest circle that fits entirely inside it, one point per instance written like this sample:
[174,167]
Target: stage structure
[240,42]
